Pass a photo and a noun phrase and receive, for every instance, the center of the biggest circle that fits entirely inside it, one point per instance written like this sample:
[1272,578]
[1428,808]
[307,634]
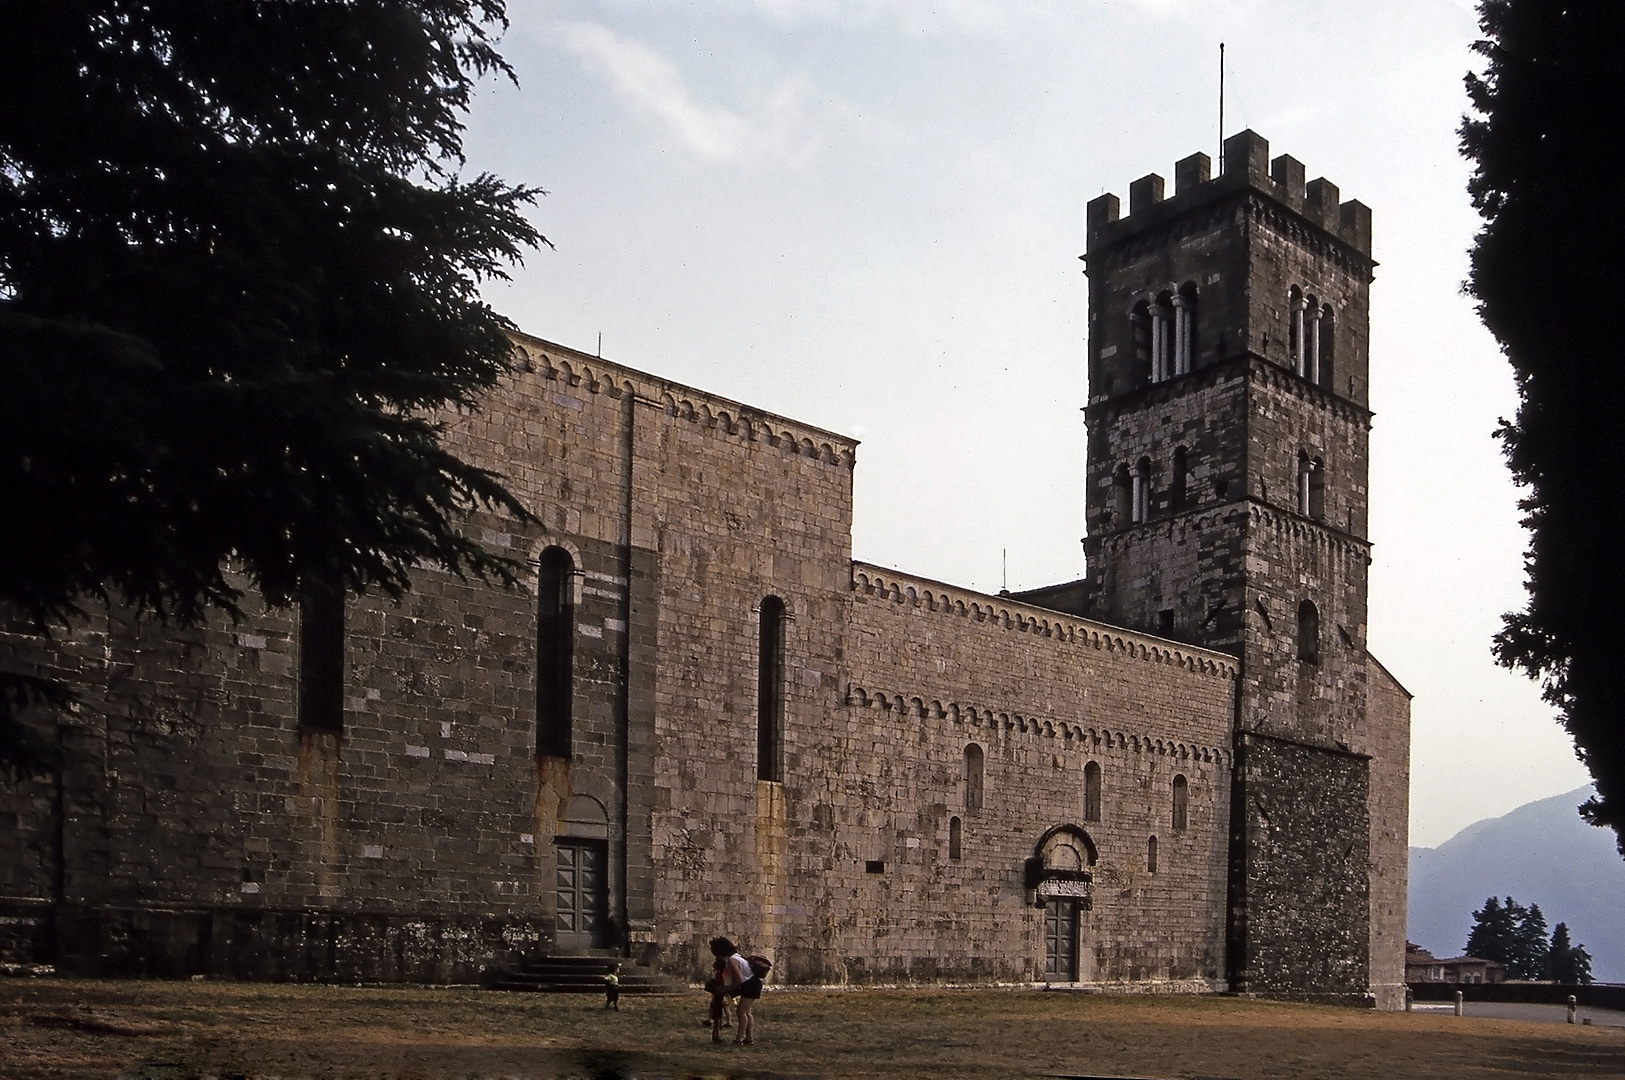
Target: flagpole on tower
[1221,108]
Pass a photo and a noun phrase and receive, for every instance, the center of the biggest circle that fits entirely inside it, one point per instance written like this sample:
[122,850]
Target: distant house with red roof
[1422,966]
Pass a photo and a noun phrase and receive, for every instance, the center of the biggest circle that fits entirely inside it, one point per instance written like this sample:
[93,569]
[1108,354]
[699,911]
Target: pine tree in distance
[1515,936]
[1567,964]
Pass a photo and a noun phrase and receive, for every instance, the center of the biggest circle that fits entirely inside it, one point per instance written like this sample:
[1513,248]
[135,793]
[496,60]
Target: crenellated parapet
[1005,724]
[1002,614]
[723,417]
[1312,211]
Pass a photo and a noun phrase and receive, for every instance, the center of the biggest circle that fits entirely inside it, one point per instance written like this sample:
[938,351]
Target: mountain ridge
[1542,853]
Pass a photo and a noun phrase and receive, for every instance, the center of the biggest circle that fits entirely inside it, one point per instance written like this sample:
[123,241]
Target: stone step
[581,975]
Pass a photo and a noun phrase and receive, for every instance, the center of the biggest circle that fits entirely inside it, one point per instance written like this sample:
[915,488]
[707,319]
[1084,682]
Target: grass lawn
[178,1031]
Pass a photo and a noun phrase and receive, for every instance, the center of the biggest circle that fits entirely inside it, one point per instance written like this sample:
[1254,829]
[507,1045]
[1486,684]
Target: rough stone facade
[1129,781]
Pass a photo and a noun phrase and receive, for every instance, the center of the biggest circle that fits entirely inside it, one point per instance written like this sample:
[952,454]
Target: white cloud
[655,87]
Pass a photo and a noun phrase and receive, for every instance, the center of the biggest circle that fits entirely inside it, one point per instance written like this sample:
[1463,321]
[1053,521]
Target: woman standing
[738,979]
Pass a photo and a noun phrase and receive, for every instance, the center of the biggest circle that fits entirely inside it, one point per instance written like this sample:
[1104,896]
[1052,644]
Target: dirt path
[182,1031]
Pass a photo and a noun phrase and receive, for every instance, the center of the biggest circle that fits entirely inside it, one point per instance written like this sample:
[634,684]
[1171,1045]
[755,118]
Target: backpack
[759,966]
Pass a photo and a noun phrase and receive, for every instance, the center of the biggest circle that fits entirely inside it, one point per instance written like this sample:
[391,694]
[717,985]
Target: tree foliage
[1513,935]
[1567,963]
[238,289]
[1546,272]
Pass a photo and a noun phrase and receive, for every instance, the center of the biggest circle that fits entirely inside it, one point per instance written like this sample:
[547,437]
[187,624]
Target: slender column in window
[555,653]
[1317,489]
[1295,304]
[1142,491]
[1159,343]
[770,692]
[1304,471]
[321,660]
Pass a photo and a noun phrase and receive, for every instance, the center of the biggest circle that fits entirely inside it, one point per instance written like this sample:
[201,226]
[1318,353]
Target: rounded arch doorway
[1062,882]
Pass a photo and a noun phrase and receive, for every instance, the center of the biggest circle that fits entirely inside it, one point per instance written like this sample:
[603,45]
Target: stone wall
[1300,905]
[934,669]
[1388,741]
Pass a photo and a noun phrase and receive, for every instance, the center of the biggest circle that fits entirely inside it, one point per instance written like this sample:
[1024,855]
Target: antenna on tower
[1006,569]
[1221,108]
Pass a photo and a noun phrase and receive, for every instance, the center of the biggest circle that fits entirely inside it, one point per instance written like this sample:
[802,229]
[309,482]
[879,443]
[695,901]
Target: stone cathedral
[1183,772]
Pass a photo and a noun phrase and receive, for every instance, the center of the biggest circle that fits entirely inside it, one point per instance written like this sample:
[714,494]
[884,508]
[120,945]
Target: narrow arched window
[1294,307]
[1122,497]
[1328,346]
[1317,489]
[1182,802]
[1140,327]
[321,660]
[1091,792]
[555,652]
[1176,490]
[1310,368]
[956,839]
[1142,491]
[1308,633]
[1185,329]
[1151,855]
[1305,472]
[770,691]
[973,777]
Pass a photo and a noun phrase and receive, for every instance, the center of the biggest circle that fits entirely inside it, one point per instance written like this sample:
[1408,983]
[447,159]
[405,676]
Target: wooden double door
[1061,941]
[581,895]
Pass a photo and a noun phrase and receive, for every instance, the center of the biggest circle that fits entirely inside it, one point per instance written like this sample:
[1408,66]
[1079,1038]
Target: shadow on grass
[552,1065]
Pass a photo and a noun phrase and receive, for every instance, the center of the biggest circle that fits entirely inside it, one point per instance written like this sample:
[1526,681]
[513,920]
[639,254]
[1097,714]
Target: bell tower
[1228,435]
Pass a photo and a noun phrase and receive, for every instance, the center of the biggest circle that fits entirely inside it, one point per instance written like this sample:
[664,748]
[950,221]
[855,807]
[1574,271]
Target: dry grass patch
[182,1031]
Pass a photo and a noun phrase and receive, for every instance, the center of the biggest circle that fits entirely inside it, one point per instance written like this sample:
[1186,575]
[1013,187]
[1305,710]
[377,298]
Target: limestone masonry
[1182,772]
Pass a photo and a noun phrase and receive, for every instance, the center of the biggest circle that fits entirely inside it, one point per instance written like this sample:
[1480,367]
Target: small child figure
[612,989]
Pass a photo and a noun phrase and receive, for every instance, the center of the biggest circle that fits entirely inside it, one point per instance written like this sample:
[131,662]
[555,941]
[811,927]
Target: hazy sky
[867,214]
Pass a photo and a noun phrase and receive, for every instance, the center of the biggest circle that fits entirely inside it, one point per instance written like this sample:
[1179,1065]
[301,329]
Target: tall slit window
[1182,803]
[1328,341]
[1310,368]
[1308,633]
[956,839]
[321,660]
[973,777]
[1305,479]
[1176,490]
[770,691]
[1140,328]
[1151,855]
[555,652]
[1091,792]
